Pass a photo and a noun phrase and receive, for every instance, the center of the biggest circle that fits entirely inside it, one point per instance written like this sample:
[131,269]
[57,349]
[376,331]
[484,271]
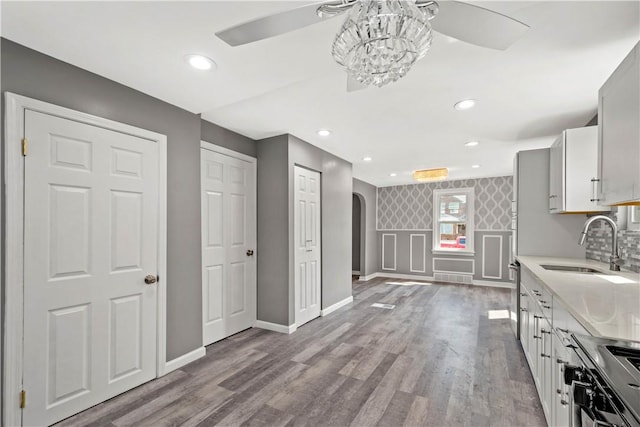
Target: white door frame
[15,107]
[209,146]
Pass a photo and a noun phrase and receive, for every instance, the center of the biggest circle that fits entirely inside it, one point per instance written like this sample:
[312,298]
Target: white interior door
[228,245]
[91,236]
[307,245]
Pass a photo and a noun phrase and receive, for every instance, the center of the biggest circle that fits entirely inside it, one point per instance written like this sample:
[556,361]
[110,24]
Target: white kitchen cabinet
[573,170]
[619,134]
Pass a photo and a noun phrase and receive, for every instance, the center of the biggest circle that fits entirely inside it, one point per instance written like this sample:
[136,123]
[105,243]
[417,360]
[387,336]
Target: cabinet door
[556,172]
[560,408]
[524,320]
[545,368]
[619,133]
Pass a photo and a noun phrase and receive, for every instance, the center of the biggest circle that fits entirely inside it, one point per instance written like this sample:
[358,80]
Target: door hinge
[24,146]
[23,399]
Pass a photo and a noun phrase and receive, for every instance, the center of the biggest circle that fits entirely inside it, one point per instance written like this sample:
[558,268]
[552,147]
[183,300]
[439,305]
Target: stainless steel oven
[605,384]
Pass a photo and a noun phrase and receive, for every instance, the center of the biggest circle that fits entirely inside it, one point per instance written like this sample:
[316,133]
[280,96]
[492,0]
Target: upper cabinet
[573,167]
[619,134]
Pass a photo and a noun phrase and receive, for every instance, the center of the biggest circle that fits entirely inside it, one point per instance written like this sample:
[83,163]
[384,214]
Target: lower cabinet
[545,348]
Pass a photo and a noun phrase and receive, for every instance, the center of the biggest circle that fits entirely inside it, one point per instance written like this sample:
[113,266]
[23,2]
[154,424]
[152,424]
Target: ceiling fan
[382,39]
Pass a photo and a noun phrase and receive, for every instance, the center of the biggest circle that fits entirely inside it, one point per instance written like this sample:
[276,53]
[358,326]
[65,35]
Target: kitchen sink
[570,268]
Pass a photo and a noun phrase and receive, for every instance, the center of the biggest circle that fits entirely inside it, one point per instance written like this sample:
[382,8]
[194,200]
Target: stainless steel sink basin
[570,268]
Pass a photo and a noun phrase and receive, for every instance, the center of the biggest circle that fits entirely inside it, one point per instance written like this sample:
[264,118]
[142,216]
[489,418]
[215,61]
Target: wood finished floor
[434,360]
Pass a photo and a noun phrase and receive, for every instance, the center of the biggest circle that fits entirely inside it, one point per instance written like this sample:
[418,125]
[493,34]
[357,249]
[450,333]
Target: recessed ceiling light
[393,174]
[200,62]
[367,159]
[324,132]
[465,104]
[475,166]
[471,144]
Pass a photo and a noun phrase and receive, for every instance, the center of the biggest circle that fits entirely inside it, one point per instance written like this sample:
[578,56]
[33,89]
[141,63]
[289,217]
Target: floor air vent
[453,278]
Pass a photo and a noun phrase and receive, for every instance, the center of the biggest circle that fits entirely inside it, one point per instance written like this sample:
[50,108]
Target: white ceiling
[545,82]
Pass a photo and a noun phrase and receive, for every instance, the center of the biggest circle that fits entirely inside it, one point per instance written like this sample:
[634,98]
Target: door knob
[150,279]
[249,252]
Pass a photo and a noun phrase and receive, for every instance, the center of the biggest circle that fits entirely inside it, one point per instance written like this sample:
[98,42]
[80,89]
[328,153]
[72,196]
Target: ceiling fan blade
[354,85]
[477,25]
[272,25]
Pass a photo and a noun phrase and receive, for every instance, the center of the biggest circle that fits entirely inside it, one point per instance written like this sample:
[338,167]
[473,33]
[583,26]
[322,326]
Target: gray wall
[30,73]
[356,223]
[368,194]
[407,210]
[217,135]
[273,230]
[277,157]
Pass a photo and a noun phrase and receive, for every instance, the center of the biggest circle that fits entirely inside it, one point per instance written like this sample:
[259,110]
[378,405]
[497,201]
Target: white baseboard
[275,327]
[185,359]
[430,278]
[369,277]
[405,276]
[336,306]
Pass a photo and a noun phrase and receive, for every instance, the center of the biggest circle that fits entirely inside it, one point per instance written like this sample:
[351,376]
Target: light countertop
[605,309]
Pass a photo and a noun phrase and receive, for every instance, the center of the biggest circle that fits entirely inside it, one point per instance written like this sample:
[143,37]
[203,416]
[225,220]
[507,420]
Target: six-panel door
[228,245]
[91,237]
[307,245]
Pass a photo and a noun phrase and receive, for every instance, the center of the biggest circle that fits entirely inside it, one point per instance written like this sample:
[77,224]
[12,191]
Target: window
[453,220]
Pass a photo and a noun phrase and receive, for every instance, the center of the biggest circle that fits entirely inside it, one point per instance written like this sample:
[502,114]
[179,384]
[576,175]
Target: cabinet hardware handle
[560,361]
[542,302]
[536,337]
[564,402]
[523,309]
[544,355]
[535,316]
[566,331]
[544,331]
[594,189]
[558,391]
[546,306]
[523,294]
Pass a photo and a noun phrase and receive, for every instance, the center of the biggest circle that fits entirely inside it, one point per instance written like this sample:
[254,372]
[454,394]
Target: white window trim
[471,199]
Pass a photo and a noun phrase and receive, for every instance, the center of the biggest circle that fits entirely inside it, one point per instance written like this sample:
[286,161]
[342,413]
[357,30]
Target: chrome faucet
[614,259]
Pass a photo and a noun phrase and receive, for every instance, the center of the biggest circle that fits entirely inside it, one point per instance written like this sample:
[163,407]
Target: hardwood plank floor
[436,359]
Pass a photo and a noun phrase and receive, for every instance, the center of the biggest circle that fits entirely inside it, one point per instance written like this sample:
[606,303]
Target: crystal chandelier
[380,40]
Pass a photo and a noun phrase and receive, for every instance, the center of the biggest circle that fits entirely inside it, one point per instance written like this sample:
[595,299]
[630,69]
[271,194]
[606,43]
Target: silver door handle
[150,279]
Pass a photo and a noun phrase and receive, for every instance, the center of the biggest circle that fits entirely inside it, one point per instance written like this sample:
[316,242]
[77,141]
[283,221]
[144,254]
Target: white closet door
[91,237]
[307,245]
[229,241]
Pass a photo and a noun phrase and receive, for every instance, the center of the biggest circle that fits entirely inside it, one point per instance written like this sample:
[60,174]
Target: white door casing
[94,224]
[228,242]
[307,245]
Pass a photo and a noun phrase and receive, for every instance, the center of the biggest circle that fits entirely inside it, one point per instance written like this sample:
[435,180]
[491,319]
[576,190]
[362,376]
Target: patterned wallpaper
[410,207]
[599,245]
